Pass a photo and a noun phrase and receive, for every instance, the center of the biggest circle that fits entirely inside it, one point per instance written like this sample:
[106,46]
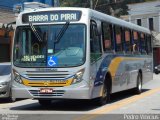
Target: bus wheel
[45,102]
[138,89]
[104,98]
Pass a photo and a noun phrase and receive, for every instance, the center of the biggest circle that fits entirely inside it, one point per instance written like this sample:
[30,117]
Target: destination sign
[51,16]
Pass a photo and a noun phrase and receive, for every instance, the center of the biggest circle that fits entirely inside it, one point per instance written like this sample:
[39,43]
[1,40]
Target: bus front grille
[56,93]
[47,75]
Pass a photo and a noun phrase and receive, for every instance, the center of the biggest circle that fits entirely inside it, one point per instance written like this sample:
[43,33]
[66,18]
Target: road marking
[106,109]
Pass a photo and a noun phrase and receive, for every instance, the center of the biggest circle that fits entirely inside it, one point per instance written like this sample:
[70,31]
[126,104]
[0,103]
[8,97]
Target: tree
[74,3]
[111,7]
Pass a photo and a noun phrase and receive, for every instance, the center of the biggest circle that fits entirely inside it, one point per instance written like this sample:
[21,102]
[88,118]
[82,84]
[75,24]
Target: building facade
[147,14]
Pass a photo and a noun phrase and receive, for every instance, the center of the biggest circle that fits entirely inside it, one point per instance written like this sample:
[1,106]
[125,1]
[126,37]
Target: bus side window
[142,39]
[128,40]
[146,44]
[135,42]
[118,38]
[149,44]
[95,42]
[107,36]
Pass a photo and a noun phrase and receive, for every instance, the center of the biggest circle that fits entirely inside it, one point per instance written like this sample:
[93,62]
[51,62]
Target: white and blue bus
[78,53]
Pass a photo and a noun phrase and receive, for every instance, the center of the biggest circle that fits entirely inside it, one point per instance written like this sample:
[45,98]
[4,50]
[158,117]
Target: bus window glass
[32,50]
[107,42]
[149,44]
[28,48]
[127,40]
[135,42]
[142,35]
[118,36]
[95,43]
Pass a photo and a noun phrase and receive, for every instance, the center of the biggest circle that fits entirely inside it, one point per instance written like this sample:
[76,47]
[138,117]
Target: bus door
[95,49]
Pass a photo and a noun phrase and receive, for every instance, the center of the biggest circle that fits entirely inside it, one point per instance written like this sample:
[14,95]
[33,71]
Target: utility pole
[91,4]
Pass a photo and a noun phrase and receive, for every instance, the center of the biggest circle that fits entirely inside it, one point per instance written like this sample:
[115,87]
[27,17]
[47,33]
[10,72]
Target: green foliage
[104,6]
[74,3]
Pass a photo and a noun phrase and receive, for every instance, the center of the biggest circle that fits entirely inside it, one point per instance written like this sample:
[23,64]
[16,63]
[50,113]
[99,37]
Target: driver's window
[95,42]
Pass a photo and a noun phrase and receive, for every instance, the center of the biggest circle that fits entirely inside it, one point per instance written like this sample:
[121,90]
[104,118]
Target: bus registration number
[46,90]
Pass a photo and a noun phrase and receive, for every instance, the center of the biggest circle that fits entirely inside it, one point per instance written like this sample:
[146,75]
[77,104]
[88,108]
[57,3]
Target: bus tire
[45,102]
[138,88]
[105,98]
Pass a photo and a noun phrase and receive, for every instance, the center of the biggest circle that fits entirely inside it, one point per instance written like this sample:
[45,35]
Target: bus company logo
[47,69]
[46,83]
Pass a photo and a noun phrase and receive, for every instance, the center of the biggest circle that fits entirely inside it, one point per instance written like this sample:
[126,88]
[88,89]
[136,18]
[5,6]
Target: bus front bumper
[58,93]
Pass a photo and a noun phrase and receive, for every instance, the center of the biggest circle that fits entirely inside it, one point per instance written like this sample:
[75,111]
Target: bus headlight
[78,76]
[17,77]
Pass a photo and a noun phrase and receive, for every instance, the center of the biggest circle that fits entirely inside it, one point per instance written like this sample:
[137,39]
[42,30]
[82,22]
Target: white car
[5,81]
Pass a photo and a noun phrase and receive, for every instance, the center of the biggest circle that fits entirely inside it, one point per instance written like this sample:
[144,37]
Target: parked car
[5,82]
[157,69]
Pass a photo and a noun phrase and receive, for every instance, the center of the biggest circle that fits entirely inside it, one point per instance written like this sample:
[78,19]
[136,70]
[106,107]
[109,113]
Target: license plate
[46,90]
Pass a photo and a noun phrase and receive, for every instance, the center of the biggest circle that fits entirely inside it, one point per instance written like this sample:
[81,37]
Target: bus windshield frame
[45,51]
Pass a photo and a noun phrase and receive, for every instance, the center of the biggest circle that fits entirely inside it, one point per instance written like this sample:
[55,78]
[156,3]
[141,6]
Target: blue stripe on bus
[103,69]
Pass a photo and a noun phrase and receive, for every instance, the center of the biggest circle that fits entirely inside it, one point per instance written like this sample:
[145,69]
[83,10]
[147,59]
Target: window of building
[151,24]
[139,22]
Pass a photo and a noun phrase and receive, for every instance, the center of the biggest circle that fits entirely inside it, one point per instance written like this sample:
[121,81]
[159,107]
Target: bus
[78,53]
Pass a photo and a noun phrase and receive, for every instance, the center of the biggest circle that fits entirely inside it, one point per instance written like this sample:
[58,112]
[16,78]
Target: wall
[6,39]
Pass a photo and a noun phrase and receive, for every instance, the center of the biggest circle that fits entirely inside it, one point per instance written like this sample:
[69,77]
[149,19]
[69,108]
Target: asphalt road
[123,105]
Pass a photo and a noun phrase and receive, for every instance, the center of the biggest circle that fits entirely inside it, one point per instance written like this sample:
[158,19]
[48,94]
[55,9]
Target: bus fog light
[78,77]
[17,77]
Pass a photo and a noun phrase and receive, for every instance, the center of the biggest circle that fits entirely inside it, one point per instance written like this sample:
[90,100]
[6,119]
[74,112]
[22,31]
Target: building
[7,21]
[147,14]
[6,8]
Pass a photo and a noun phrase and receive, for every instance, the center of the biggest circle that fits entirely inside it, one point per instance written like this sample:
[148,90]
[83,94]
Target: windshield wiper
[61,32]
[35,32]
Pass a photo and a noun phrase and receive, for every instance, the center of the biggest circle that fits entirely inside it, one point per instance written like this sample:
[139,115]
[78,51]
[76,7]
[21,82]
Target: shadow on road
[3,101]
[124,95]
[6,100]
[74,105]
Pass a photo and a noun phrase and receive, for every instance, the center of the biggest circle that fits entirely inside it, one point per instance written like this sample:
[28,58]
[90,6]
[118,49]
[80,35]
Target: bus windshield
[39,47]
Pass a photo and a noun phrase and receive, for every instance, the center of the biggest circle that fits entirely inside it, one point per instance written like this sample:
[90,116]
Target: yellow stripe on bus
[46,83]
[113,67]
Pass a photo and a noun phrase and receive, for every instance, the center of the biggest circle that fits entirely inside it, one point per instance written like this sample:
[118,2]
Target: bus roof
[96,15]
